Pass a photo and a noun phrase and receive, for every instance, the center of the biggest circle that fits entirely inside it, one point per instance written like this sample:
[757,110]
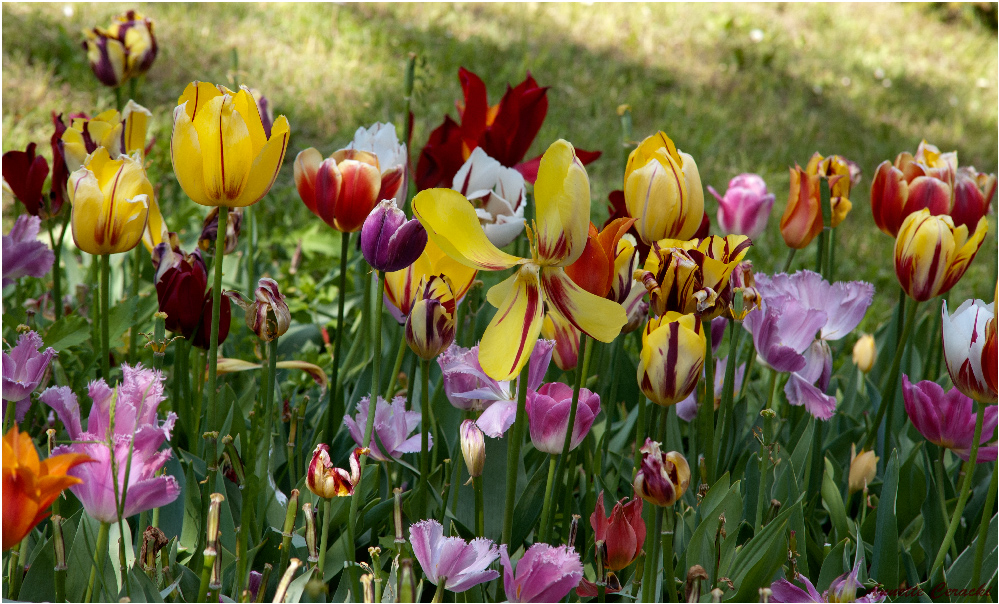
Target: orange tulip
[594,270]
[29,485]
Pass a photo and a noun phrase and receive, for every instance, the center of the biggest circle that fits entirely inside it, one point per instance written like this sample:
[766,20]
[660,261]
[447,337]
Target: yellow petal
[511,335]
[185,153]
[656,196]
[598,317]
[197,95]
[136,122]
[226,149]
[87,199]
[156,228]
[246,106]
[562,205]
[451,223]
[694,211]
[266,165]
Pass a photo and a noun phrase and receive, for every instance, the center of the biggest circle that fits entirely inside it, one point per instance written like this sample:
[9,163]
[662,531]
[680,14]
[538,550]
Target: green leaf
[832,501]
[120,318]
[67,331]
[885,564]
[528,507]
[759,559]
[833,566]
[961,570]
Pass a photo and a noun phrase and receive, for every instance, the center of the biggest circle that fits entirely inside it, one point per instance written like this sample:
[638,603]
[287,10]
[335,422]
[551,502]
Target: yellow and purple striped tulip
[402,286]
[672,358]
[661,479]
[430,325]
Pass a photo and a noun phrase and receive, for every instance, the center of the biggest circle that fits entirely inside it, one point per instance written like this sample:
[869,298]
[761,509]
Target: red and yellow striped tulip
[341,189]
[802,219]
[931,254]
[562,194]
[672,358]
[662,190]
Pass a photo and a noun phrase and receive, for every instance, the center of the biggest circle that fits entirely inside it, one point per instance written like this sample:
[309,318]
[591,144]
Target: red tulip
[623,533]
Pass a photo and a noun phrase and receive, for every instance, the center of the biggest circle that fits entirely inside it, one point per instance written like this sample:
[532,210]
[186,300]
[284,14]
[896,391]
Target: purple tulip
[23,369]
[470,389]
[842,589]
[389,242]
[134,401]
[947,419]
[745,208]
[393,424]
[545,574]
[23,254]
[460,564]
[548,415]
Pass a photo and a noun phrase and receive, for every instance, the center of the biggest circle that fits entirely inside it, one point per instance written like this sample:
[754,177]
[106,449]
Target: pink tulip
[745,208]
[459,564]
[947,419]
[548,415]
[545,574]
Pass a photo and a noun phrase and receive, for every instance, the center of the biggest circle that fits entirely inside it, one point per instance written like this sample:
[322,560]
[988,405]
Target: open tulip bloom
[24,368]
[393,424]
[562,194]
[459,564]
[947,419]
[544,574]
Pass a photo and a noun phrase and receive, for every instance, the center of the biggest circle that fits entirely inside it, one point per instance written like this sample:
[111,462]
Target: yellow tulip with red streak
[110,199]
[931,255]
[401,287]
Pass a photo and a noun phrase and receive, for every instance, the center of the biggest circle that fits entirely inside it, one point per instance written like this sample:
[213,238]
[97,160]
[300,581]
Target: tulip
[210,231]
[25,174]
[842,589]
[623,532]
[342,189]
[469,388]
[126,49]
[566,337]
[947,419]
[662,190]
[389,242]
[545,574]
[401,287]
[746,206]
[563,199]
[672,358]
[23,254]
[88,134]
[473,448]
[116,417]
[929,180]
[452,563]
[498,194]
[430,326]
[393,424]
[393,158]
[30,485]
[865,353]
[326,481]
[595,270]
[24,369]
[965,339]
[110,200]
[863,469]
[548,416]
[661,479]
[625,264]
[841,174]
[268,316]
[931,255]
[219,150]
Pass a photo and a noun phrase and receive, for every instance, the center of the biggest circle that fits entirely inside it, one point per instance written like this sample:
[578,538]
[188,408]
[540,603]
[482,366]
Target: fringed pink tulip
[393,424]
[545,574]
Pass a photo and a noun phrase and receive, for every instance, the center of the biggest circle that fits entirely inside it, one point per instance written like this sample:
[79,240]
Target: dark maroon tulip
[389,242]
[202,338]
[25,173]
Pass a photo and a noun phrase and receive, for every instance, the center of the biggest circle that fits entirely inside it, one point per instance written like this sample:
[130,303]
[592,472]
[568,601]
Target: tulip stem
[396,368]
[272,353]
[546,507]
[649,581]
[969,471]
[213,348]
[439,593]
[723,430]
[100,553]
[336,408]
[105,304]
[133,335]
[582,371]
[669,580]
[513,453]
[480,513]
[790,258]
[424,435]
[14,563]
[325,537]
[639,434]
[938,468]
[983,529]
[888,391]
[706,410]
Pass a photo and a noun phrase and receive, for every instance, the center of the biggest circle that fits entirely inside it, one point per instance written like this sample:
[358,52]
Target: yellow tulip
[562,195]
[84,136]
[865,353]
[672,358]
[662,189]
[110,200]
[931,255]
[401,287]
[863,469]
[219,150]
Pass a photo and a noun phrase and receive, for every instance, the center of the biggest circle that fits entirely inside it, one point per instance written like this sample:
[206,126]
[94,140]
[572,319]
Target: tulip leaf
[528,508]
[67,331]
[884,567]
[960,573]
[760,558]
[833,565]
[832,500]
[37,585]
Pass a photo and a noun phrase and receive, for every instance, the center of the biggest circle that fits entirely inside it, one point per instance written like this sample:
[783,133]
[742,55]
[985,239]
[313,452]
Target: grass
[741,87]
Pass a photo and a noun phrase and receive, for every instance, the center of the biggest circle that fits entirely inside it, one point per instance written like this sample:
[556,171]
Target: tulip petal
[451,223]
[244,104]
[562,198]
[226,149]
[599,318]
[513,332]
[266,164]
[188,162]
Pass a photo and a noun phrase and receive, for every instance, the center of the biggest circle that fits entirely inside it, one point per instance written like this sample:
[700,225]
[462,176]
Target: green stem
[649,581]
[547,505]
[424,435]
[938,469]
[56,271]
[669,581]
[513,453]
[325,536]
[480,513]
[983,528]
[439,593]
[269,410]
[249,216]
[213,348]
[790,258]
[888,391]
[639,435]
[335,415]
[105,304]
[706,411]
[100,553]
[723,429]
[133,335]
[8,416]
[582,371]
[13,564]
[117,98]
[396,368]
[206,574]
[969,471]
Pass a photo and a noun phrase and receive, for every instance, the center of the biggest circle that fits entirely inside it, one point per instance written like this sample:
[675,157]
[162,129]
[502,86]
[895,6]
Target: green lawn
[864,81]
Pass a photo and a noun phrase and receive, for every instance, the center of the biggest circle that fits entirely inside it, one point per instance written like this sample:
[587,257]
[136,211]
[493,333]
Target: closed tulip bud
[863,469]
[865,353]
[430,325]
[326,481]
[973,192]
[180,281]
[969,343]
[661,479]
[389,242]
[931,254]
[110,200]
[802,219]
[24,172]
[342,189]
[672,358]
[125,49]
[202,336]
[219,150]
[382,140]
[268,316]
[473,448]
[623,532]
[746,206]
[210,231]
[662,190]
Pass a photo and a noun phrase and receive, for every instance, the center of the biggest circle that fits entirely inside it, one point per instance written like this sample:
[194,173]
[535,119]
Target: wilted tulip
[548,416]
[931,255]
[969,342]
[126,49]
[393,158]
[342,189]
[498,194]
[23,254]
[746,206]
[327,481]
[672,358]
[210,231]
[220,152]
[24,368]
[863,469]
[625,264]
[110,200]
[623,532]
[544,574]
[865,353]
[402,286]
[430,325]
[947,419]
[662,190]
[25,173]
[661,479]
[473,448]
[842,589]
[268,316]
[389,242]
